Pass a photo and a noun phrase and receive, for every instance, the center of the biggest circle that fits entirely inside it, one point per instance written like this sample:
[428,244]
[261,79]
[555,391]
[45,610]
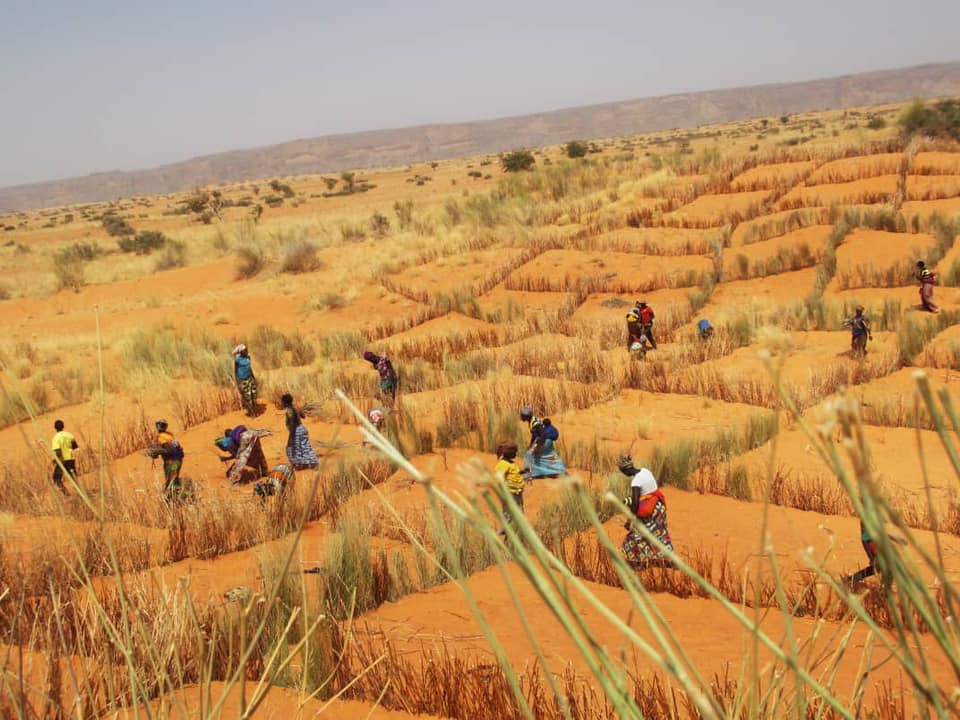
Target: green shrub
[143,243]
[517,160]
[576,149]
[115,225]
[282,187]
[876,123]
[939,120]
[69,262]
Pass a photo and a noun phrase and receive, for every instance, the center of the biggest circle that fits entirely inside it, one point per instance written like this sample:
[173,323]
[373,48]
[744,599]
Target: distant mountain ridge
[400,146]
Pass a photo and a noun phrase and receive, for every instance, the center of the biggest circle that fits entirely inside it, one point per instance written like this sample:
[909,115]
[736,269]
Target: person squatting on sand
[246,382]
[388,376]
[649,507]
[169,449]
[541,458]
[242,445]
[276,482]
[859,332]
[510,474]
[704,329]
[299,451]
[927,280]
[63,445]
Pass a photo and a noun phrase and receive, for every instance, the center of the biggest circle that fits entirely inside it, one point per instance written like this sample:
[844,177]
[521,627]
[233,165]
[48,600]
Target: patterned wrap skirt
[636,550]
[248,393]
[250,454]
[299,450]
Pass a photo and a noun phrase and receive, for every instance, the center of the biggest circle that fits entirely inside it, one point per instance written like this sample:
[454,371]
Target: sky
[94,85]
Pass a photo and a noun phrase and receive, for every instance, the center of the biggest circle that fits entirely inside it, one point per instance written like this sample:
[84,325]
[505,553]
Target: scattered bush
[939,120]
[876,123]
[282,188]
[250,260]
[300,256]
[576,149]
[115,225]
[379,225]
[143,243]
[173,256]
[517,160]
[404,212]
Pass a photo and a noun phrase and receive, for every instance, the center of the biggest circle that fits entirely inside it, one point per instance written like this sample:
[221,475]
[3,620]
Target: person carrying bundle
[634,330]
[242,445]
[388,376]
[647,507]
[646,315]
[169,449]
[542,459]
[860,332]
[246,382]
[300,452]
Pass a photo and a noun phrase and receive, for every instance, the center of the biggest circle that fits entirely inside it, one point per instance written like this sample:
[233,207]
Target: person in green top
[63,446]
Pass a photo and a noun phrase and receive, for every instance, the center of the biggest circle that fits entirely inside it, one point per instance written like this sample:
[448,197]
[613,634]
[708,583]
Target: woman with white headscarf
[649,508]
[246,382]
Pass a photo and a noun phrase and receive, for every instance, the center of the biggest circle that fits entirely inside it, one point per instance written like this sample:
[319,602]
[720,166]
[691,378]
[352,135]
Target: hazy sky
[93,85]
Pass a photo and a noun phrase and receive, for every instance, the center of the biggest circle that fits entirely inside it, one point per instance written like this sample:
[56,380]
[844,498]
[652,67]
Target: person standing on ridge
[63,446]
[246,382]
[169,449]
[927,279]
[860,332]
[646,321]
[647,507]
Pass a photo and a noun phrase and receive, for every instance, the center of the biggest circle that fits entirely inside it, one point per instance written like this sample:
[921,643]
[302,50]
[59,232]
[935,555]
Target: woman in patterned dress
[649,508]
[299,451]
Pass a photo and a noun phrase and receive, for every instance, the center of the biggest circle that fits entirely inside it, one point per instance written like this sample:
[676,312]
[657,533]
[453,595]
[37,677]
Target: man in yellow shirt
[63,445]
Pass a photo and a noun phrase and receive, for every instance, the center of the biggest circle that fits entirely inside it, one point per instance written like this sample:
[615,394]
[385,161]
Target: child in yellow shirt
[512,476]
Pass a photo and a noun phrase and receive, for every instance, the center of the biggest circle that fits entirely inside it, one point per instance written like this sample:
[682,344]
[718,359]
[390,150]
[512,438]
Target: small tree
[331,183]
[348,179]
[576,149]
[876,123]
[517,160]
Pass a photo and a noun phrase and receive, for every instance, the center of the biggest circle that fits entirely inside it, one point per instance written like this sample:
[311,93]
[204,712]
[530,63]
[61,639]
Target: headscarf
[239,349]
[526,412]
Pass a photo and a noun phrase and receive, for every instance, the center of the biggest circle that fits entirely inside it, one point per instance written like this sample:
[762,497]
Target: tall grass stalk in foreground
[798,683]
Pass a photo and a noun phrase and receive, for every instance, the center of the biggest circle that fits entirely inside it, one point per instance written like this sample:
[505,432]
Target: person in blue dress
[541,457]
